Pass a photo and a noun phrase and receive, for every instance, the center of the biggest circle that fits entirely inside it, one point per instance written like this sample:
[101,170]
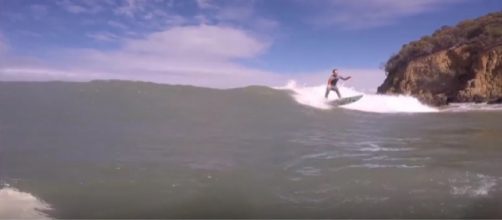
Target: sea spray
[21,205]
[314,96]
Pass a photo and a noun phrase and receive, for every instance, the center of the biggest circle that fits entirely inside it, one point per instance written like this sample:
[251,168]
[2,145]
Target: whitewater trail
[15,204]
[313,96]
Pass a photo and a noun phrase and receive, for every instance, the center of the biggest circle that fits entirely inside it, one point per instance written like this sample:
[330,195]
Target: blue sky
[216,43]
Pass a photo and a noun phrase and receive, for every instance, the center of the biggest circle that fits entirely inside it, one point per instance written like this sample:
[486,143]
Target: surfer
[333,79]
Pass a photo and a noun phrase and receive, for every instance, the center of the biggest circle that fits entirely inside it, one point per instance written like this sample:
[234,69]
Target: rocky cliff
[455,64]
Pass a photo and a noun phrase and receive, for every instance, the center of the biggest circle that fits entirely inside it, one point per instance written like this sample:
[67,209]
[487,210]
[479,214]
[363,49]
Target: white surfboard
[346,100]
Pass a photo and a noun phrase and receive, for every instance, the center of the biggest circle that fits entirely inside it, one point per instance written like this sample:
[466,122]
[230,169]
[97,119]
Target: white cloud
[174,20]
[155,13]
[208,54]
[39,74]
[158,19]
[71,7]
[117,24]
[373,13]
[205,42]
[240,13]
[84,6]
[237,10]
[227,11]
[206,4]
[131,7]
[142,9]
[149,14]
[103,36]
[199,55]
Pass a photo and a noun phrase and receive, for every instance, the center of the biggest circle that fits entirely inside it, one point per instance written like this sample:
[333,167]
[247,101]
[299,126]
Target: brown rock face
[454,75]
[460,64]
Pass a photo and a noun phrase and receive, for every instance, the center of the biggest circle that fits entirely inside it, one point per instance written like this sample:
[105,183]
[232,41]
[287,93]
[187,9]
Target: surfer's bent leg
[337,92]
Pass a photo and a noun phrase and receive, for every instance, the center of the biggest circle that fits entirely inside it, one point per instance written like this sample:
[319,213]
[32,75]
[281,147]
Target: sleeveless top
[333,80]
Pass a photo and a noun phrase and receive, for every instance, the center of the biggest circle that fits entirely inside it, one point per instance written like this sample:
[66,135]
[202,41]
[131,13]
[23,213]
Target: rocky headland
[454,64]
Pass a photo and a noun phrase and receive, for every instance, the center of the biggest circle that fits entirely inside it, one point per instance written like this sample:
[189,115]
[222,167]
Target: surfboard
[345,101]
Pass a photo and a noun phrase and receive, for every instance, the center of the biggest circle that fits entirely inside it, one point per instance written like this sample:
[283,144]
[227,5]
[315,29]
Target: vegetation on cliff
[454,64]
[478,34]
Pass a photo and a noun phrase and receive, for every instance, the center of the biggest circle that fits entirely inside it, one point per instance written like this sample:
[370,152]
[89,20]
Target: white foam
[375,166]
[467,107]
[380,166]
[387,158]
[313,96]
[15,204]
[309,171]
[373,147]
[310,96]
[333,155]
[478,185]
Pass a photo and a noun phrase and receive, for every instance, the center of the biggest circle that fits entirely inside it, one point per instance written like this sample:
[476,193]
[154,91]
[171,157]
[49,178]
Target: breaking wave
[313,96]
[15,204]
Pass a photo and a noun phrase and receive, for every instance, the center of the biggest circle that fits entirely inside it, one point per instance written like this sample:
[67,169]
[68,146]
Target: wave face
[314,96]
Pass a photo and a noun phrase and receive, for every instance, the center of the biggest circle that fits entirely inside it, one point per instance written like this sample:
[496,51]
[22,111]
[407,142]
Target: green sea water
[141,150]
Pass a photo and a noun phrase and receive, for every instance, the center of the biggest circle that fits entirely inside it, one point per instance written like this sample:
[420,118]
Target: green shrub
[478,34]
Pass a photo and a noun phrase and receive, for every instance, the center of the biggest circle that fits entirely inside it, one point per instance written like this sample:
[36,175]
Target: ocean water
[140,150]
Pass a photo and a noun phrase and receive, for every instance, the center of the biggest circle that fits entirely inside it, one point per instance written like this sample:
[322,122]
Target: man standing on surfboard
[333,79]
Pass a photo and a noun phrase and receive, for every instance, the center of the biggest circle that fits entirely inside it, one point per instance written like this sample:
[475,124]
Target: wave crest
[15,204]
[313,96]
